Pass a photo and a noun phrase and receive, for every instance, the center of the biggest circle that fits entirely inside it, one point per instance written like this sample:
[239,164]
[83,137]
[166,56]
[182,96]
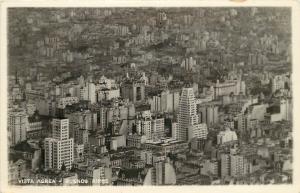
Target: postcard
[196,96]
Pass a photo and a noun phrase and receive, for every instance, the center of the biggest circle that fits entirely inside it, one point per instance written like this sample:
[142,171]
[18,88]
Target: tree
[63,167]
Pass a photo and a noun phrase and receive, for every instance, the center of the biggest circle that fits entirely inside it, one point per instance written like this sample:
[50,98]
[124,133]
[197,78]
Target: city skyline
[150,96]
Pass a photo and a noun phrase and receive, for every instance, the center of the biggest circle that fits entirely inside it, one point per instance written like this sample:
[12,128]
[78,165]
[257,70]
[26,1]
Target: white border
[295,5]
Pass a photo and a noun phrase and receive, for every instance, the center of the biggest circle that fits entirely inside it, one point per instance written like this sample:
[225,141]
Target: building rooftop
[133,173]
[24,146]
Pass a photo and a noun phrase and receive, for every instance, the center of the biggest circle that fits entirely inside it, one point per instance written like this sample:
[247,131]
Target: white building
[286,109]
[17,126]
[63,102]
[91,92]
[86,92]
[257,111]
[284,114]
[225,165]
[236,165]
[226,136]
[147,156]
[108,94]
[198,131]
[106,83]
[143,127]
[187,115]
[165,102]
[169,101]
[59,148]
[189,64]
[175,130]
[158,128]
[160,174]
[155,103]
[278,83]
[229,87]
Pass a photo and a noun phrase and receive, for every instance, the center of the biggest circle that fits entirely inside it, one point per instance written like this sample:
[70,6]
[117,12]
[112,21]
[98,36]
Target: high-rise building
[108,112]
[17,126]
[85,119]
[59,148]
[277,83]
[133,90]
[188,64]
[160,174]
[155,103]
[198,131]
[91,92]
[175,130]
[153,129]
[187,115]
[225,165]
[108,94]
[229,87]
[286,109]
[86,92]
[169,101]
[233,165]
[166,101]
[158,128]
[209,113]
[236,165]
[143,127]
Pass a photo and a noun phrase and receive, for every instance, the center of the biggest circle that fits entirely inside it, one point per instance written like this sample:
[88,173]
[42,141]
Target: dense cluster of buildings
[112,100]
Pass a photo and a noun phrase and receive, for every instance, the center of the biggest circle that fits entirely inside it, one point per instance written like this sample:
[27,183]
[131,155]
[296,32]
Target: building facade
[59,148]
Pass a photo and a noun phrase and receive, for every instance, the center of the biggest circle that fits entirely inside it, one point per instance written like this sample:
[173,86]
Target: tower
[59,148]
[17,126]
[187,115]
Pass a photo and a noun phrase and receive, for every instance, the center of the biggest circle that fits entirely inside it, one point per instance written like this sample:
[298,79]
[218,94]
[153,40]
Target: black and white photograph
[149,96]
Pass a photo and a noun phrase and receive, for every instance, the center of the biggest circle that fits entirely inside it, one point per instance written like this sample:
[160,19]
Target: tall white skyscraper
[59,148]
[187,115]
[188,120]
